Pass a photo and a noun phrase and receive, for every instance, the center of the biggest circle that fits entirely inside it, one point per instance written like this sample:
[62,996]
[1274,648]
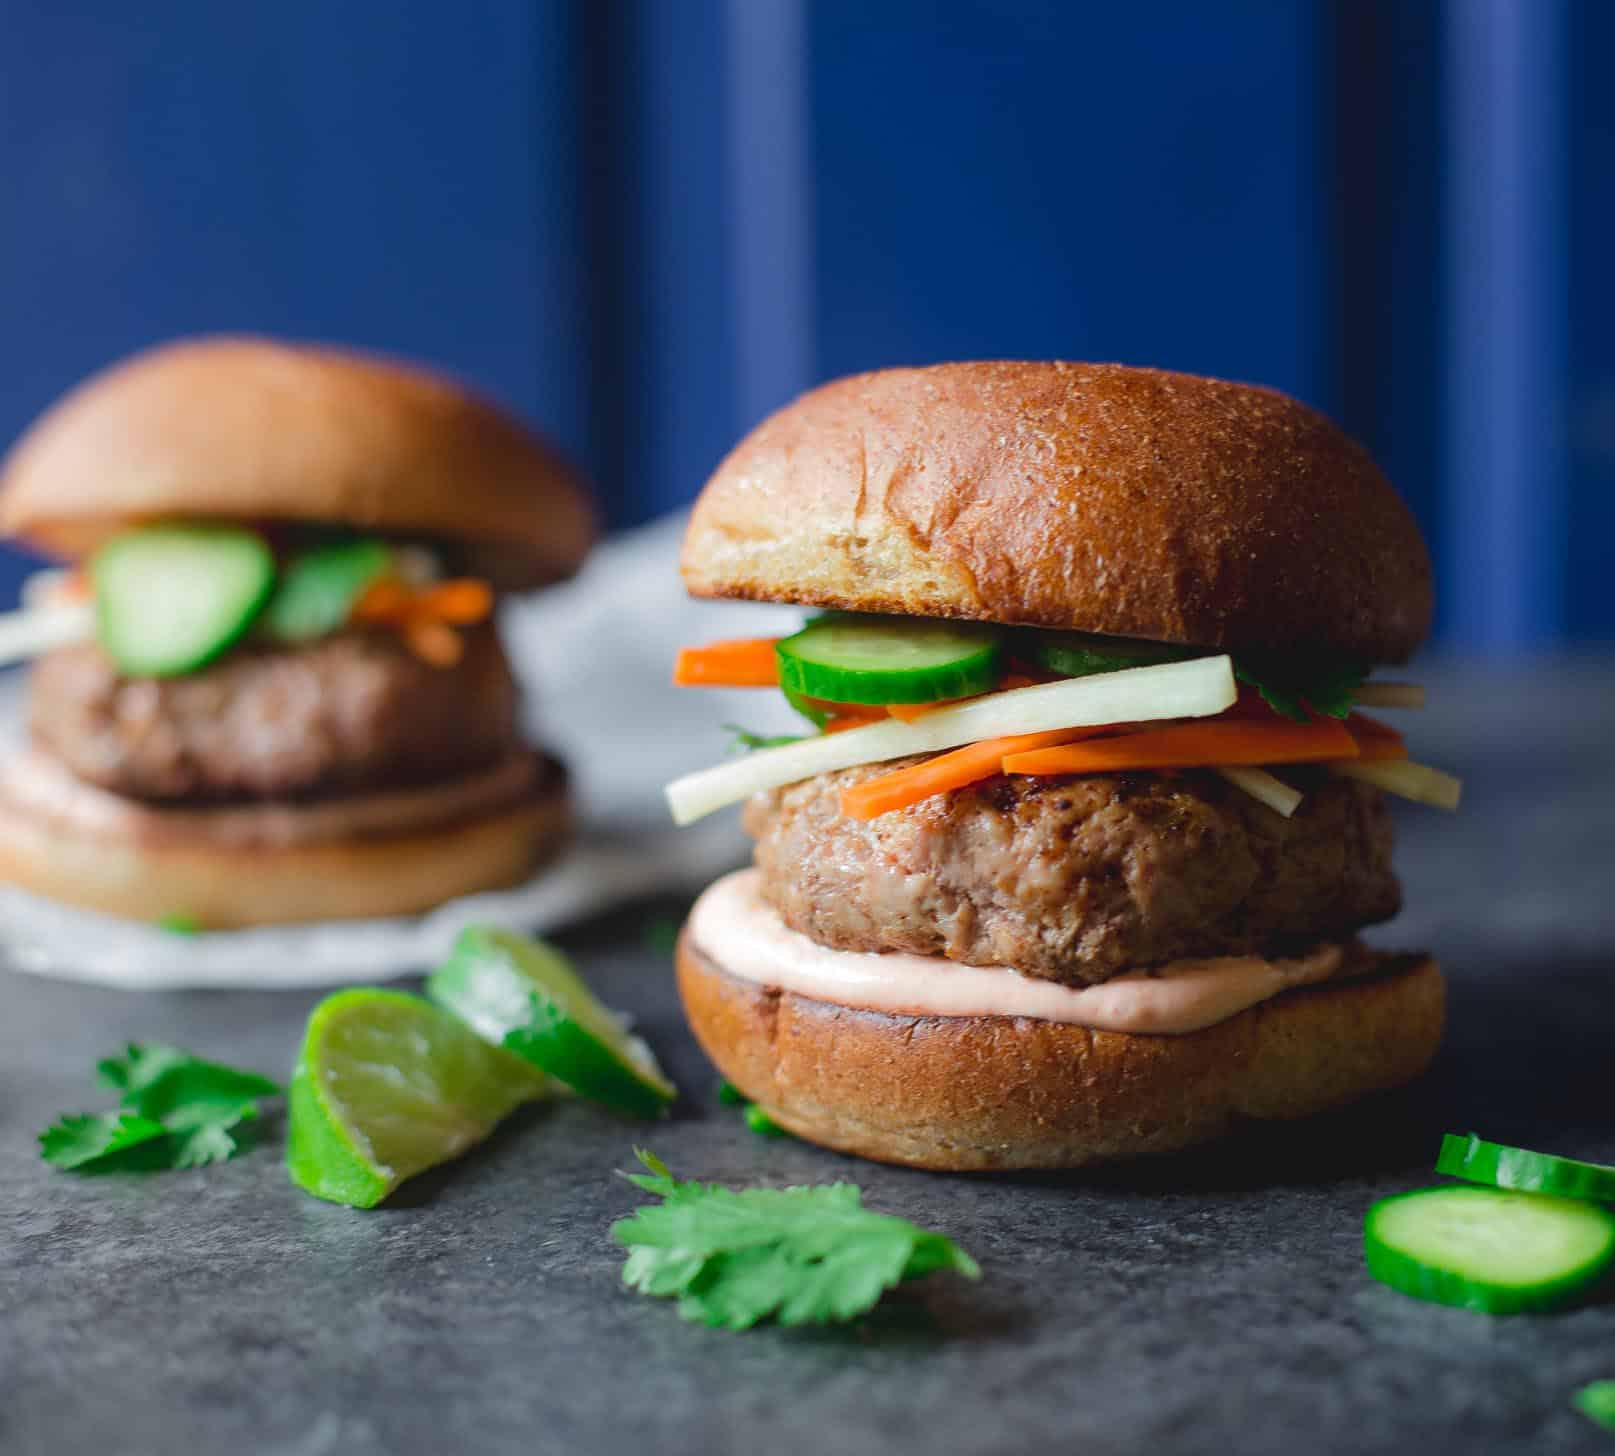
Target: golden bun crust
[1093,497]
[964,1094]
[253,429]
[230,887]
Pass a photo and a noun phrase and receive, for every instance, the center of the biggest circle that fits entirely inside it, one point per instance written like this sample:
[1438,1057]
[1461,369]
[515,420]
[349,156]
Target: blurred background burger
[271,688]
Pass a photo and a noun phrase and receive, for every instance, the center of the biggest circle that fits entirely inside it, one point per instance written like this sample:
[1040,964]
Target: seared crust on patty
[346,714]
[975,1093]
[1076,879]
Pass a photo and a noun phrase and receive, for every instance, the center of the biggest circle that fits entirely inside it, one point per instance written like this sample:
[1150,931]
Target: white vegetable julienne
[1260,784]
[1416,781]
[37,630]
[1389,695]
[1195,689]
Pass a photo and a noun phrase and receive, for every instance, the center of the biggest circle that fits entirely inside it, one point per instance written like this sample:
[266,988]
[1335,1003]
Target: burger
[268,685]
[1069,858]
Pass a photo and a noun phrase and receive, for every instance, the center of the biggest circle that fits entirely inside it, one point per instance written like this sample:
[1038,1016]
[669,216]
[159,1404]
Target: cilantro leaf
[100,1143]
[796,1255]
[744,741]
[1597,1403]
[1291,689]
[172,1086]
[175,1111]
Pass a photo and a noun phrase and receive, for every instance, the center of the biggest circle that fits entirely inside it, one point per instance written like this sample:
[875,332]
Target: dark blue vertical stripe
[1591,506]
[1143,183]
[1389,142]
[670,389]
[771,202]
[1507,219]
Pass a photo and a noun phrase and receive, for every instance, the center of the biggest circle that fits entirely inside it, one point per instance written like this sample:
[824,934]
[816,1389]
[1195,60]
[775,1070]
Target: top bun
[255,430]
[1093,497]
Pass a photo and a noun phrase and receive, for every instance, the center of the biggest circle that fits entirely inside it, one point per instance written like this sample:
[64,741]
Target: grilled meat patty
[1077,879]
[348,713]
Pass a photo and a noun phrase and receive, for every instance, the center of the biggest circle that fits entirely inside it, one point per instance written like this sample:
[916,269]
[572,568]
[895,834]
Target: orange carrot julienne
[1375,740]
[955,770]
[1214,742]
[742,662]
[463,601]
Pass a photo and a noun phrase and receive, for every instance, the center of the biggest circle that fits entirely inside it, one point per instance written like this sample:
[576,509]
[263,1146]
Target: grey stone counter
[1213,1303]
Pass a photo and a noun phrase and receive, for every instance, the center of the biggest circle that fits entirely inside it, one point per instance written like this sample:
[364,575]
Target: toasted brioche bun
[971,1093]
[229,886]
[254,430]
[1092,497]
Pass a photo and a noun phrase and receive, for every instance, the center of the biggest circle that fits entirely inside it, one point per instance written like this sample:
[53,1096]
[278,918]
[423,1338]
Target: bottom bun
[230,886]
[970,1093]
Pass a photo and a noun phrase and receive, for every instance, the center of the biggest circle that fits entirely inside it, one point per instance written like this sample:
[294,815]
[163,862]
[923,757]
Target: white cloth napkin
[596,655]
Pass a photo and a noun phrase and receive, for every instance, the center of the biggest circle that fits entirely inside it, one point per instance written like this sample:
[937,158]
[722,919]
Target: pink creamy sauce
[35,782]
[734,927]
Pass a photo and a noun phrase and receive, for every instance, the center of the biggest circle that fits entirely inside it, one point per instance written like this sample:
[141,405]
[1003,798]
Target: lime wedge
[523,995]
[387,1086]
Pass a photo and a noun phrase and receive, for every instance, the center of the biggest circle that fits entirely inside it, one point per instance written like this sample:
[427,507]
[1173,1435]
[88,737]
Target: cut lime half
[523,995]
[387,1086]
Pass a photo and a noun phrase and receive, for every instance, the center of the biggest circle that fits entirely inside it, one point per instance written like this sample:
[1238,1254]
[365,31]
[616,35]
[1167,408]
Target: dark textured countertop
[1212,1303]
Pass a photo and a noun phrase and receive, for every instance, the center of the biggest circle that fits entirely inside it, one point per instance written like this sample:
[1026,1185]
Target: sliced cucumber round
[852,659]
[1501,1166]
[523,995]
[1081,654]
[171,598]
[318,588]
[1489,1249]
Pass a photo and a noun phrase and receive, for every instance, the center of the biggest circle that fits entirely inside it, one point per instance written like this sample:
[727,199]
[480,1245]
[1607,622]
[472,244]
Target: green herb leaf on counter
[744,741]
[96,1143]
[1326,690]
[1597,1403]
[805,1255]
[175,1111]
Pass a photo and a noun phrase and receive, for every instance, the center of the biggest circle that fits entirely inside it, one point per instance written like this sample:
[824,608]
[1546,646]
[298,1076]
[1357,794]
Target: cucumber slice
[1079,654]
[524,996]
[1501,1166]
[171,598]
[1489,1249]
[851,659]
[318,588]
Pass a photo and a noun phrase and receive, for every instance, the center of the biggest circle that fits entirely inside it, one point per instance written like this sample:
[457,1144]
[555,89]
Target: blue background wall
[642,223]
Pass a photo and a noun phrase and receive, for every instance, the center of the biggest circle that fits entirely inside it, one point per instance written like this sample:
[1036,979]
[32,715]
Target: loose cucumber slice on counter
[524,996]
[1079,654]
[851,659]
[170,598]
[1489,1249]
[318,588]
[1501,1166]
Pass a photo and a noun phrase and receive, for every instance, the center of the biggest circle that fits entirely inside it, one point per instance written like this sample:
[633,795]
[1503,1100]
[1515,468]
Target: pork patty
[1077,879]
[350,713]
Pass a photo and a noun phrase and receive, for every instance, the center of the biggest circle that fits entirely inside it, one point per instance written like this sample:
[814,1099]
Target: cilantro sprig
[1290,689]
[807,1255]
[174,1111]
[742,740]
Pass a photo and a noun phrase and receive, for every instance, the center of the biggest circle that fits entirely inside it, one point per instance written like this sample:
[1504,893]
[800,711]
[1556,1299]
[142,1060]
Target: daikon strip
[37,630]
[1263,786]
[1408,780]
[1195,689]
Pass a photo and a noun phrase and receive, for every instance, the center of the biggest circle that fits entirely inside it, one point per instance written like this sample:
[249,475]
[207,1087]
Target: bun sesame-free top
[254,430]
[1092,497]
